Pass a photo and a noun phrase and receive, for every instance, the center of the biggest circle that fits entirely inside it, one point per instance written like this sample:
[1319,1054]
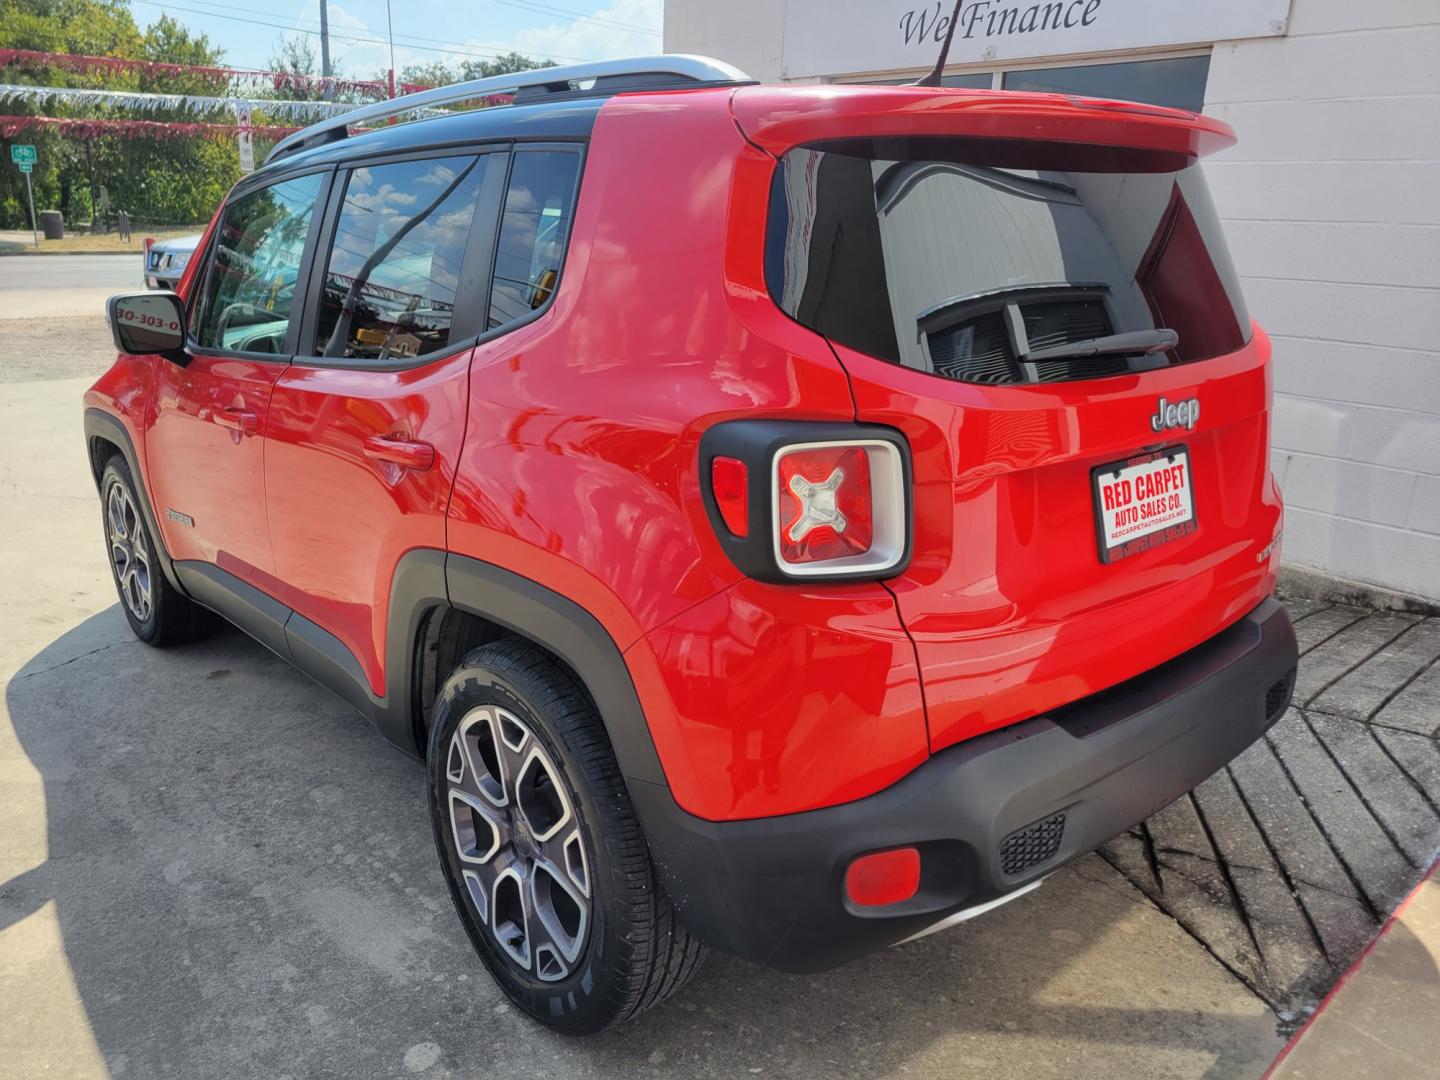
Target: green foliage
[437,73]
[501,65]
[166,181]
[157,181]
[93,27]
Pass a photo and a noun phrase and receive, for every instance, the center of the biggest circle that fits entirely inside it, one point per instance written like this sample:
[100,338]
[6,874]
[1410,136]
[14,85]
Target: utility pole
[390,26]
[325,47]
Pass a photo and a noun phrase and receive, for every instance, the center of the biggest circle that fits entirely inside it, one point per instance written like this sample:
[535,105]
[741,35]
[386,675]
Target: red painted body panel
[1011,609]
[341,518]
[214,474]
[784,696]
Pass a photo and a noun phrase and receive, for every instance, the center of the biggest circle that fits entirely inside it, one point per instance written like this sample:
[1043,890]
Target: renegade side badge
[179,518]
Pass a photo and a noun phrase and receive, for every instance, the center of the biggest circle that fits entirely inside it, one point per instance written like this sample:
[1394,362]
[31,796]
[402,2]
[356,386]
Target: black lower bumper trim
[771,889]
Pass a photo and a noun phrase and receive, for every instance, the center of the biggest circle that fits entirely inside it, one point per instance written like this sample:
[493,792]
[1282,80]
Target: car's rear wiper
[1136,343]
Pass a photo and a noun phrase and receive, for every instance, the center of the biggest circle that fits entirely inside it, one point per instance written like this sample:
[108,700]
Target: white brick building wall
[1331,203]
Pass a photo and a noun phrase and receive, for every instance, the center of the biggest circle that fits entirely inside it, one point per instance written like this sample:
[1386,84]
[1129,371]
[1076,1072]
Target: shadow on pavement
[246,886]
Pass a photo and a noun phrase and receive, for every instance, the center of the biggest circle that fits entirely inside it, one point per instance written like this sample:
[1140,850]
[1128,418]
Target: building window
[970,80]
[1178,81]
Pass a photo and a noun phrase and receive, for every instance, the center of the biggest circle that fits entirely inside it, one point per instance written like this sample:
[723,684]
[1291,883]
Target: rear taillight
[826,509]
[802,500]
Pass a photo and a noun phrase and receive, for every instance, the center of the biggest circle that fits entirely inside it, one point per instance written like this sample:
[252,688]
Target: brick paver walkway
[1284,864]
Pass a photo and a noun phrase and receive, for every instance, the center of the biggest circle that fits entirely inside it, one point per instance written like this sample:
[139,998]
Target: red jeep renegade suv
[784,519]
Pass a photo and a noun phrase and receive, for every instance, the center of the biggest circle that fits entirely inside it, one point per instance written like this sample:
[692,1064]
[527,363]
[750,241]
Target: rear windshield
[1004,262]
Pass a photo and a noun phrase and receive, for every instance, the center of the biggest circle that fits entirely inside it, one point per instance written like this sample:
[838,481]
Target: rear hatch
[1037,292]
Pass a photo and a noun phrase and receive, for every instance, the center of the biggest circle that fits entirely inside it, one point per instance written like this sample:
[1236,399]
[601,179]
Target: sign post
[245,138]
[25,157]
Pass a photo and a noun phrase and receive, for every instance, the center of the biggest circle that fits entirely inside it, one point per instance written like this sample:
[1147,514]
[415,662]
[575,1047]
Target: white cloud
[593,40]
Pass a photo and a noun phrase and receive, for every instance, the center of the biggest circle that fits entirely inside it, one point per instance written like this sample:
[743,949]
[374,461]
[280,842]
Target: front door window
[254,271]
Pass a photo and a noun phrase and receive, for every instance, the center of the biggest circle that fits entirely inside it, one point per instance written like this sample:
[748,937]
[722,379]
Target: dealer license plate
[1143,502]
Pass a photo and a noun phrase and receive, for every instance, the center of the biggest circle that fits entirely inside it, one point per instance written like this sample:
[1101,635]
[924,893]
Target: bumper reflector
[886,877]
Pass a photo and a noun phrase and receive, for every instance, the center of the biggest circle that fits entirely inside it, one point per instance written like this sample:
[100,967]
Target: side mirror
[146,323]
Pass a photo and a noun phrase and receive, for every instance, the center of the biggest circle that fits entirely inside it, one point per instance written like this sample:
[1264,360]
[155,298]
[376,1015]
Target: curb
[1307,583]
[1433,874]
[60,254]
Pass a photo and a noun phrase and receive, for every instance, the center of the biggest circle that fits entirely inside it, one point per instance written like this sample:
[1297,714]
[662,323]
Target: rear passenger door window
[395,265]
[534,230]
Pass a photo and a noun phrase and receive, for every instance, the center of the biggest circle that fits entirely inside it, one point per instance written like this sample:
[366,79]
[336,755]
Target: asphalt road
[211,867]
[50,286]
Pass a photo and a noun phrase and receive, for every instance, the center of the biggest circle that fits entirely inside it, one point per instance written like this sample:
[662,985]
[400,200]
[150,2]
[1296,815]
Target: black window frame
[194,306]
[475,266]
[472,294]
[578,148]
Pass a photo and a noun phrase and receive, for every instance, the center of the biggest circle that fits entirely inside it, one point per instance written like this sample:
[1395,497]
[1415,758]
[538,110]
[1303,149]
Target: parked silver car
[166,261]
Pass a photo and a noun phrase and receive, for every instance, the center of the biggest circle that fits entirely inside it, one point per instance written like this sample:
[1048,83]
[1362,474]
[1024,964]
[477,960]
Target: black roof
[542,121]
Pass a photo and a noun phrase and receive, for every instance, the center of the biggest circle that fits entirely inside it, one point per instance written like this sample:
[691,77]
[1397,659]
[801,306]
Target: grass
[84,243]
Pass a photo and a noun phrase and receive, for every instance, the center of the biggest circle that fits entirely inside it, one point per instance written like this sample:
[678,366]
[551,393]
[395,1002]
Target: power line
[333,34]
[405,38]
[297,22]
[577,16]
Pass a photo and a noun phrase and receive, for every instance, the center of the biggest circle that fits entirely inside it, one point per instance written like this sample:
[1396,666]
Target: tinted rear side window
[533,231]
[394,266]
[994,264]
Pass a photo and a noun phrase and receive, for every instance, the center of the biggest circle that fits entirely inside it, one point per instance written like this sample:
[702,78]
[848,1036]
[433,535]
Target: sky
[452,31]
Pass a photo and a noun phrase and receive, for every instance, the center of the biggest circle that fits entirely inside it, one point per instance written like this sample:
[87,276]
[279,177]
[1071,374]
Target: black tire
[634,953]
[157,613]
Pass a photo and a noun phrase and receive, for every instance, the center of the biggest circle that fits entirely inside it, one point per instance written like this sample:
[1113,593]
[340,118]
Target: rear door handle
[406,453]
[233,419]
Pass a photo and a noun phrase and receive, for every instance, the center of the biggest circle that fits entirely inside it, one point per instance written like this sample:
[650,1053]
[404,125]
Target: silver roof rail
[678,66]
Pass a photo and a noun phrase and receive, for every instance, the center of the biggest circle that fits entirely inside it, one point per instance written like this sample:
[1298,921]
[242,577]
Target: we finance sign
[845,37]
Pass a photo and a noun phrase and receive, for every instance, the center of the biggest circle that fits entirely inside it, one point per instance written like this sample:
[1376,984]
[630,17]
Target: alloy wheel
[518,841]
[129,553]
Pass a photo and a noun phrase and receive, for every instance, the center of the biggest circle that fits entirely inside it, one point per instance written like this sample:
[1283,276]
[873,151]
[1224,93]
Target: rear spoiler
[779,118]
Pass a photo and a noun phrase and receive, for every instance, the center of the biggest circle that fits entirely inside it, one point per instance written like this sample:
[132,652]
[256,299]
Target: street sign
[24,156]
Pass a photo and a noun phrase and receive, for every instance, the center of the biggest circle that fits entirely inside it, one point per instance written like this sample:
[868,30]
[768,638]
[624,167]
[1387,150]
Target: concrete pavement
[1380,1022]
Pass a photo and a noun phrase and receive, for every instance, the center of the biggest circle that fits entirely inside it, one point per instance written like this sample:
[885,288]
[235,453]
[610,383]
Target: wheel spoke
[485,766]
[509,914]
[115,514]
[571,857]
[540,797]
[477,831]
[560,912]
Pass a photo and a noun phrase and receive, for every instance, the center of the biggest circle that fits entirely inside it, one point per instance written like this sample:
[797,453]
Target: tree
[434,73]
[505,64]
[93,27]
[294,55]
[168,41]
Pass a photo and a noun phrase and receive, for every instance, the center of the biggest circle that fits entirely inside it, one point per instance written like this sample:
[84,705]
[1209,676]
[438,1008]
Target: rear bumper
[989,815]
